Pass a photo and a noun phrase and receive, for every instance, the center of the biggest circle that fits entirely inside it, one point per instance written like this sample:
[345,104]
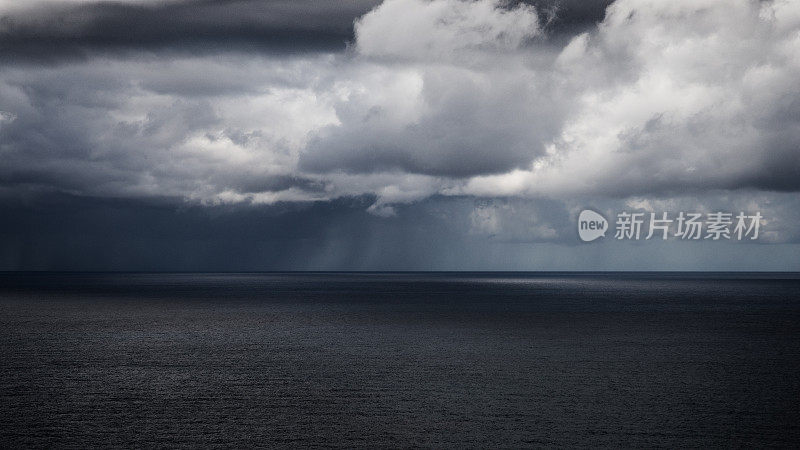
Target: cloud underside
[431,98]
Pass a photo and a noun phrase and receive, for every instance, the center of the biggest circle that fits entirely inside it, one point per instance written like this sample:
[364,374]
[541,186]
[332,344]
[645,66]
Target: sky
[236,135]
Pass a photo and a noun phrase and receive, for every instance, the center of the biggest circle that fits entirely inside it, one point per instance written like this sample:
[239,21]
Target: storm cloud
[517,112]
[45,30]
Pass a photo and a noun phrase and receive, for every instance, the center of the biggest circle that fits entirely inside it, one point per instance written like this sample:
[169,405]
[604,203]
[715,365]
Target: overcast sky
[394,135]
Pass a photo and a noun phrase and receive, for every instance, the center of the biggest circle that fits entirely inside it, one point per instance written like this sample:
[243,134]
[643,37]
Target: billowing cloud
[455,98]
[442,97]
[443,29]
[674,96]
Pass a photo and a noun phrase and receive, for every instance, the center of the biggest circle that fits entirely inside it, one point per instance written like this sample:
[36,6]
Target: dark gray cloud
[566,18]
[122,128]
[47,30]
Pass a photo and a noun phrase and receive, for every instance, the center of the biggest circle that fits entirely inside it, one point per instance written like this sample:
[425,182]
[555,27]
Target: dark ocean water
[396,360]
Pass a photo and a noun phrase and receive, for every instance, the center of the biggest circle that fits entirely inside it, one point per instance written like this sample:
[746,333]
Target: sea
[389,360]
